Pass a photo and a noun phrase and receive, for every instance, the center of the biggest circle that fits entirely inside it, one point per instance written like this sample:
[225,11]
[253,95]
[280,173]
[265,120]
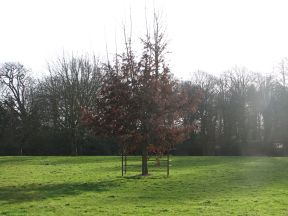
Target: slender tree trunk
[74,148]
[122,162]
[125,163]
[74,144]
[144,161]
[20,150]
[168,164]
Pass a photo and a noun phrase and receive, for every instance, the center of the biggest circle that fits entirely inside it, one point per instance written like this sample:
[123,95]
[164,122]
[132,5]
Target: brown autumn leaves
[140,103]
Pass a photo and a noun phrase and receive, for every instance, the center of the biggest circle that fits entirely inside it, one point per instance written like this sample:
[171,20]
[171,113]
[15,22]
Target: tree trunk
[122,163]
[144,162]
[21,150]
[74,145]
[74,149]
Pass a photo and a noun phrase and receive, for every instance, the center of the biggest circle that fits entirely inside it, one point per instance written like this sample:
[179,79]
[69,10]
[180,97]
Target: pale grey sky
[210,35]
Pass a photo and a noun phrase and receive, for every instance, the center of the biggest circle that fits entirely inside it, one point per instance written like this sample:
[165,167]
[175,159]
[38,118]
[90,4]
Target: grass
[94,186]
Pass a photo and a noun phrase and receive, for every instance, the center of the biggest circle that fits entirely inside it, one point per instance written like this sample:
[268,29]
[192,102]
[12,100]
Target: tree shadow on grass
[12,159]
[72,160]
[58,160]
[36,192]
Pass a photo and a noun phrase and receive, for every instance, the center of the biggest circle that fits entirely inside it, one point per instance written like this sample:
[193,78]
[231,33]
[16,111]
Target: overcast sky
[210,35]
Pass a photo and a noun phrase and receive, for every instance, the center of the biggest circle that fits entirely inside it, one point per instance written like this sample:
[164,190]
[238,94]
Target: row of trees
[242,112]
[86,107]
[43,117]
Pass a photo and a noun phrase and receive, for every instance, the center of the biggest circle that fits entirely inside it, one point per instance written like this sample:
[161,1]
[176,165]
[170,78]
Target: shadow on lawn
[12,160]
[58,160]
[72,160]
[35,192]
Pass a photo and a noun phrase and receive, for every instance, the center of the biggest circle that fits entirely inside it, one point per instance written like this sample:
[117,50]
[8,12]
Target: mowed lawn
[94,186]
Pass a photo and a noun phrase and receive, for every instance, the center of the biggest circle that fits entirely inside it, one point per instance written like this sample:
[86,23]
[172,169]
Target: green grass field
[94,186]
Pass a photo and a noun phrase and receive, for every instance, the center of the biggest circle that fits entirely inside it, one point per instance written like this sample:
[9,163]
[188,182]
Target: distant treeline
[89,107]
[43,117]
[241,112]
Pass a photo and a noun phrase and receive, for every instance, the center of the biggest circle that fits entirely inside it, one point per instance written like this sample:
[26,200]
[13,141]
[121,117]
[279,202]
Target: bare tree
[72,85]
[16,86]
[207,112]
[283,71]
